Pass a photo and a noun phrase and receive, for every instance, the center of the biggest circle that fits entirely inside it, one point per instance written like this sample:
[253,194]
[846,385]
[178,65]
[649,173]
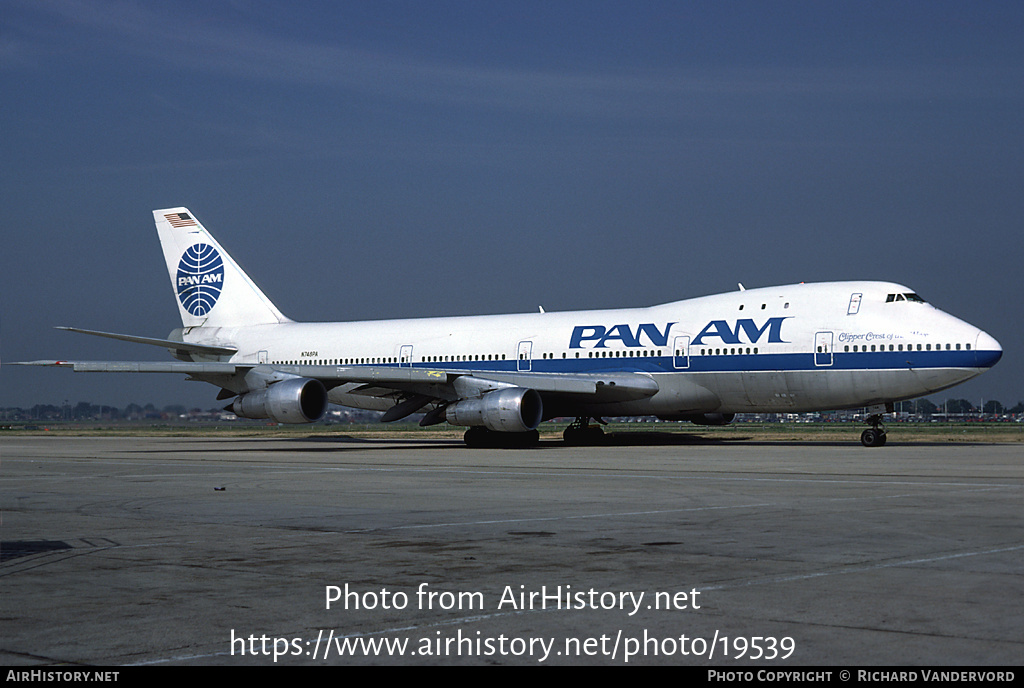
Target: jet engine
[513,409]
[297,400]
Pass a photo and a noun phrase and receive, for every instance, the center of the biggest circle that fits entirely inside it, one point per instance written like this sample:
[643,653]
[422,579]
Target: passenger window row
[727,351]
[909,347]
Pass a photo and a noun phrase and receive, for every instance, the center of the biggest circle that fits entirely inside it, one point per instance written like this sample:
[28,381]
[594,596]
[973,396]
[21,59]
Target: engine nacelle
[704,418]
[298,400]
[514,409]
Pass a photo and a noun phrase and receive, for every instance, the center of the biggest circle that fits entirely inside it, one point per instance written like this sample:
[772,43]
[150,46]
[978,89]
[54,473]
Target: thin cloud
[150,33]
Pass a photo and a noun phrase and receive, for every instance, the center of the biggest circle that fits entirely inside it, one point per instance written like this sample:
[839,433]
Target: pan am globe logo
[200,279]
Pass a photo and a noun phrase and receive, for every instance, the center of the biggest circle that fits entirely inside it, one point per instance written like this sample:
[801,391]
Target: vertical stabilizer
[210,288]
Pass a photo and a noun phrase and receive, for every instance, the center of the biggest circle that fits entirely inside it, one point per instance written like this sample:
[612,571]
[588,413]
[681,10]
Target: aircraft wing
[434,382]
[186,368]
[602,387]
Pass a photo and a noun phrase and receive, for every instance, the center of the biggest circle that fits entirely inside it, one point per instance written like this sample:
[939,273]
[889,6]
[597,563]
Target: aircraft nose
[987,350]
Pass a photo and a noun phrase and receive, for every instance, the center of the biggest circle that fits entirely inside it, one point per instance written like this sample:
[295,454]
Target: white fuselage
[799,347]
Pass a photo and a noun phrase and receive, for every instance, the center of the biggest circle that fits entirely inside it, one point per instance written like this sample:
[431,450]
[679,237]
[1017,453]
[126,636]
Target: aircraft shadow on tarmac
[615,439]
[620,439]
[326,443]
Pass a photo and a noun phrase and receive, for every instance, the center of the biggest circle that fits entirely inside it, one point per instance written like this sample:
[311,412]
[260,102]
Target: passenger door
[524,361]
[681,353]
[823,349]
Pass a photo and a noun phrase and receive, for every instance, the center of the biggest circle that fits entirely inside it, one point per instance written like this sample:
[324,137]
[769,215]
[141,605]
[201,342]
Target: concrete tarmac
[332,550]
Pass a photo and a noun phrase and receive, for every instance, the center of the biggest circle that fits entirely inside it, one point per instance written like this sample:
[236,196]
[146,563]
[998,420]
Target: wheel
[585,436]
[477,436]
[572,436]
[872,438]
[523,440]
[480,437]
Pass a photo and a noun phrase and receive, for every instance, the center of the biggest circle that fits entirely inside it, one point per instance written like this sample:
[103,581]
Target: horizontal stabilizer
[168,343]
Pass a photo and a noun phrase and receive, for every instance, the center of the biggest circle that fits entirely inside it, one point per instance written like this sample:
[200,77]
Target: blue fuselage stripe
[732,363]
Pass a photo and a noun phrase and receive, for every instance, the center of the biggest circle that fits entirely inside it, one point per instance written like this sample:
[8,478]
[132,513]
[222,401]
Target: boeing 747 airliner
[801,347]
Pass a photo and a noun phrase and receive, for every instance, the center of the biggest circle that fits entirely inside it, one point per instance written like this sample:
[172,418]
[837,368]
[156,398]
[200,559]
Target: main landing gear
[581,433]
[875,435]
[480,437]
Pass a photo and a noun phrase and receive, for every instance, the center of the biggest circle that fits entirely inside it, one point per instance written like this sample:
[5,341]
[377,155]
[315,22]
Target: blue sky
[391,159]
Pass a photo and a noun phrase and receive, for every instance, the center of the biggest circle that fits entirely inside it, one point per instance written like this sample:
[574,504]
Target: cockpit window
[903,297]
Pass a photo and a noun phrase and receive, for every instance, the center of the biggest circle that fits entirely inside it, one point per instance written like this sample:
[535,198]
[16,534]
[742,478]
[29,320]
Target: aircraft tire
[480,437]
[872,438]
[477,437]
[572,436]
[583,437]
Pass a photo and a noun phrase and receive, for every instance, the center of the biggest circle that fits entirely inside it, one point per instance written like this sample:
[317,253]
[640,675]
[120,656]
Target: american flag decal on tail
[180,220]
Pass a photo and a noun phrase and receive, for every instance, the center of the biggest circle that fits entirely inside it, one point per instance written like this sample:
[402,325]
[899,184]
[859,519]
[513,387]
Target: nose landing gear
[875,435]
